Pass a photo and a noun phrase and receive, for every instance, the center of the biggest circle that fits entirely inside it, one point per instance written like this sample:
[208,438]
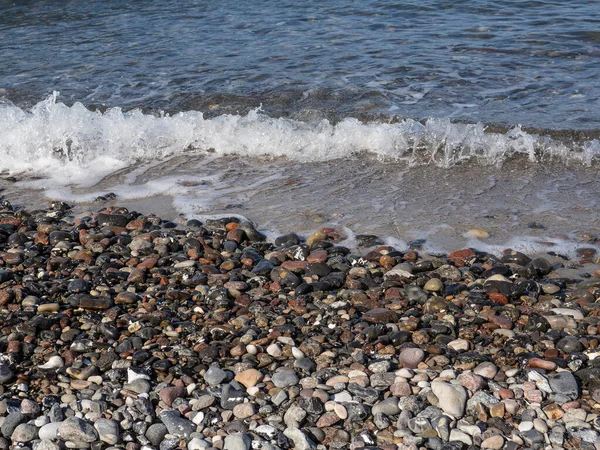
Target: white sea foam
[74,145]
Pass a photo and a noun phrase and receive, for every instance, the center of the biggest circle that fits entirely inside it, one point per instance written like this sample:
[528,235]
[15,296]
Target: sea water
[413,120]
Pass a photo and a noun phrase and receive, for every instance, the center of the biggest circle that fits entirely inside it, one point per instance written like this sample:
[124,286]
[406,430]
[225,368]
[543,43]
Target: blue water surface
[499,62]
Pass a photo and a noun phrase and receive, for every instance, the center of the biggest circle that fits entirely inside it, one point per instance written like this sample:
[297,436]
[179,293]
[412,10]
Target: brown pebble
[380,315]
[553,411]
[317,256]
[538,363]
[328,419]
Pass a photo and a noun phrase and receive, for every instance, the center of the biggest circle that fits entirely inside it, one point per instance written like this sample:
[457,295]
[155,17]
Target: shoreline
[519,205]
[127,331]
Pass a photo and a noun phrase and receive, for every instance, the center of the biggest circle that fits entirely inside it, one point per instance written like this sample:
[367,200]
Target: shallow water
[522,205]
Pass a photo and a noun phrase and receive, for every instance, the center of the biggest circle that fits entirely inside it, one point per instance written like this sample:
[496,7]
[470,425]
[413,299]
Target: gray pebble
[11,422]
[237,441]
[285,379]
[215,376]
[74,429]
[156,433]
[25,433]
[177,425]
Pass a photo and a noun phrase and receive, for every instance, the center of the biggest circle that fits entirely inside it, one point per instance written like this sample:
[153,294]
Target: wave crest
[80,145]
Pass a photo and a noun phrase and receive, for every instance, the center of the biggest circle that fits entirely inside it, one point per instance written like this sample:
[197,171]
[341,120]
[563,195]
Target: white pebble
[405,373]
[511,372]
[251,349]
[55,362]
[525,426]
[274,350]
[540,425]
[297,353]
[341,411]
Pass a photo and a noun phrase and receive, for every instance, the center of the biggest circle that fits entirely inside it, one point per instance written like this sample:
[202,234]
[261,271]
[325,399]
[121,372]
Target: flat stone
[74,429]
[480,398]
[460,436]
[382,315]
[11,422]
[460,345]
[471,381]
[294,416]
[54,362]
[249,377]
[564,383]
[48,308]
[300,440]
[230,396]
[327,420]
[244,410]
[433,285]
[532,437]
[138,386]
[493,442]
[576,314]
[156,433]
[197,444]
[6,374]
[400,389]
[46,444]
[486,369]
[388,407]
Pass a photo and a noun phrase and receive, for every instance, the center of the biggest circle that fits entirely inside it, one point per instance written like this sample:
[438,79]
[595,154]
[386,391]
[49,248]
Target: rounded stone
[411,357]
[486,370]
[452,398]
[25,433]
[237,441]
[569,344]
[285,379]
[493,442]
[215,376]
[433,285]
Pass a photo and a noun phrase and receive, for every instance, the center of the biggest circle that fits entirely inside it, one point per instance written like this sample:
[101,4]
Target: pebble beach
[121,330]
